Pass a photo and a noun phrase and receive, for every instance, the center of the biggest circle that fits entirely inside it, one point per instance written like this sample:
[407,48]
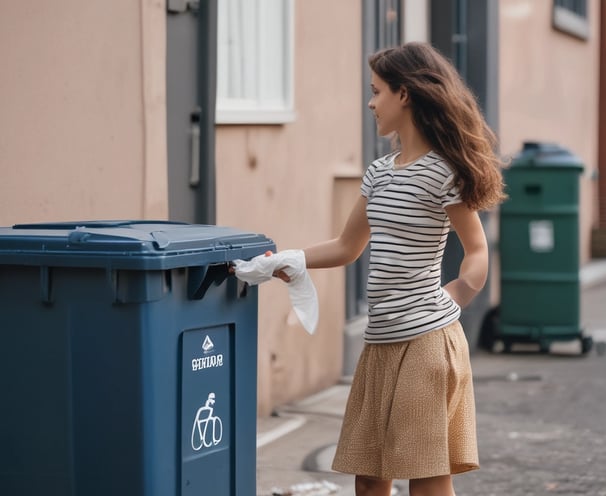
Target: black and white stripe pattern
[409,227]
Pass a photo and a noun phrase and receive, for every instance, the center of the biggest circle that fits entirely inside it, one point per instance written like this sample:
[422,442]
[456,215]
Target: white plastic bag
[301,290]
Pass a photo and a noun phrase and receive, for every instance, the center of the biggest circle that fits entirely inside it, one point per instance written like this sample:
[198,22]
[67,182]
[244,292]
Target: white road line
[293,423]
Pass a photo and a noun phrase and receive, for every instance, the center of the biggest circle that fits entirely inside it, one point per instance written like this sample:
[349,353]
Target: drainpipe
[206,212]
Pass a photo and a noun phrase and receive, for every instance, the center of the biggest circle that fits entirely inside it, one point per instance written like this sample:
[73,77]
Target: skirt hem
[459,469]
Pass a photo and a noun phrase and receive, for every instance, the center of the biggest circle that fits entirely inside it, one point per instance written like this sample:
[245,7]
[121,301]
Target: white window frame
[568,21]
[255,83]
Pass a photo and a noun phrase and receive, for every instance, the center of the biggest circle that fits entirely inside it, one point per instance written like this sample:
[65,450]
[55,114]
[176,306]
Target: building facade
[107,115]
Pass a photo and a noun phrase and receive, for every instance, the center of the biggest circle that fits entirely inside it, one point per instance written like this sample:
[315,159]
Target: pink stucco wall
[83,132]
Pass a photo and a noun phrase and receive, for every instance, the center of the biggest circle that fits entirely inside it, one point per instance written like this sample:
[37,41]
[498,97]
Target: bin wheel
[489,330]
[586,344]
[507,343]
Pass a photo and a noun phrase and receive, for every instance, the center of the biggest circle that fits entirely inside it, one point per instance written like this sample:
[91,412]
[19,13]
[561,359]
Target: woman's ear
[404,96]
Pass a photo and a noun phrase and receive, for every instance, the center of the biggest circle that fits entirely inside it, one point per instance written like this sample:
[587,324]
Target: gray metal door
[191,44]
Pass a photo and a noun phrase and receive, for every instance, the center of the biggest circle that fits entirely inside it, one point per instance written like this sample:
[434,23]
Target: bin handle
[533,189]
[202,277]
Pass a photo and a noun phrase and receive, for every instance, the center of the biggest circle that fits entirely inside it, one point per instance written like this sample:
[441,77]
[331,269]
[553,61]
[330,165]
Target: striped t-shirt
[409,227]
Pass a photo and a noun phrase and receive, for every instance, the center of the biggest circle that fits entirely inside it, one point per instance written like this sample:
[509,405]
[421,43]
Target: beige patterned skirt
[411,412]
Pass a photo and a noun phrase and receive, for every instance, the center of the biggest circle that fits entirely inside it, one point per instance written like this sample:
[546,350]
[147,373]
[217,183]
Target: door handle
[194,173]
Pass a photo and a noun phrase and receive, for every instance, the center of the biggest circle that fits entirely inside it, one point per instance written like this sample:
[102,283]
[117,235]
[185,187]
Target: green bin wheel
[586,344]
[489,330]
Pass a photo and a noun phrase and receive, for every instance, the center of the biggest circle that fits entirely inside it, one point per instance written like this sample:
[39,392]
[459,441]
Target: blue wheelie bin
[128,359]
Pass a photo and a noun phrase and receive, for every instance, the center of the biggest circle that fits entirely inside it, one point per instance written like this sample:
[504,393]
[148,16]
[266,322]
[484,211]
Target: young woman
[410,413]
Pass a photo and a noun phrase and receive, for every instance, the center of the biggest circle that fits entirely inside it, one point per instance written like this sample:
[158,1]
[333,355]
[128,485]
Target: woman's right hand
[280,274]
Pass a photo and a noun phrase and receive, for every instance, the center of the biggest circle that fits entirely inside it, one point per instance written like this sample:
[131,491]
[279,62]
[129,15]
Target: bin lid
[128,244]
[536,154]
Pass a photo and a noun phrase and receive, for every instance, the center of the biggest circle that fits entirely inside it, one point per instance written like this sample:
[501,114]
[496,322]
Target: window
[570,16]
[255,62]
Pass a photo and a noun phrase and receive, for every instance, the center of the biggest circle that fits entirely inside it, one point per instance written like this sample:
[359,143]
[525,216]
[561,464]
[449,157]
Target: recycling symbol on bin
[207,345]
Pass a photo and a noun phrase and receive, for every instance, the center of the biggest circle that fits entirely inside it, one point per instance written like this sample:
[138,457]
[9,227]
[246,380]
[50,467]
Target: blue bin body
[128,360]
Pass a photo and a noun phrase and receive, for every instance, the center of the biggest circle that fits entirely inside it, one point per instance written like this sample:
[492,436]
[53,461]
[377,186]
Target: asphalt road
[541,421]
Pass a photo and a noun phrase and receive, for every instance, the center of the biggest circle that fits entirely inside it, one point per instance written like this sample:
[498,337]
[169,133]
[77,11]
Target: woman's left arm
[474,267]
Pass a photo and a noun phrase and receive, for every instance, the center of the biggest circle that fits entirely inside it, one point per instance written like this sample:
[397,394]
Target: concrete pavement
[541,422]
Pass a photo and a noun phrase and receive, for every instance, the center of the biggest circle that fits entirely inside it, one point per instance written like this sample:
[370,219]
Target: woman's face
[386,105]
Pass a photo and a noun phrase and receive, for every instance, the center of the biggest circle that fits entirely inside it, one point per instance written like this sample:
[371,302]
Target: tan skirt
[411,411]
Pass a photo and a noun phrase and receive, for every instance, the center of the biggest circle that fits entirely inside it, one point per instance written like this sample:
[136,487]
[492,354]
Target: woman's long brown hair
[447,114]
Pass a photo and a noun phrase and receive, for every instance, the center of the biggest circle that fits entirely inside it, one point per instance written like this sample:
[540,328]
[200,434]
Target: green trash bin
[128,360]
[539,248]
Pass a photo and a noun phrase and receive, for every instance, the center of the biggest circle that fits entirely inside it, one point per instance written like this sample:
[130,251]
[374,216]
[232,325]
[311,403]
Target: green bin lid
[137,245]
[535,154]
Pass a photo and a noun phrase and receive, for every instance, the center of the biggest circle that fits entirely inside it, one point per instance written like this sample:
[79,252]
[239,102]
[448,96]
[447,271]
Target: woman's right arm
[347,247]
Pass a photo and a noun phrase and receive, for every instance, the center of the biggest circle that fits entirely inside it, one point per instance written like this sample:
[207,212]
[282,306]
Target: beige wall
[549,91]
[279,180]
[83,106]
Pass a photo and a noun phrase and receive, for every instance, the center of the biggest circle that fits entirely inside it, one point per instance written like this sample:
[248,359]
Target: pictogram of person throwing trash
[201,435]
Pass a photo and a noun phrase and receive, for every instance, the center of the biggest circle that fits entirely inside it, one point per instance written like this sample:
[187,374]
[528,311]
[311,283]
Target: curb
[593,273]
